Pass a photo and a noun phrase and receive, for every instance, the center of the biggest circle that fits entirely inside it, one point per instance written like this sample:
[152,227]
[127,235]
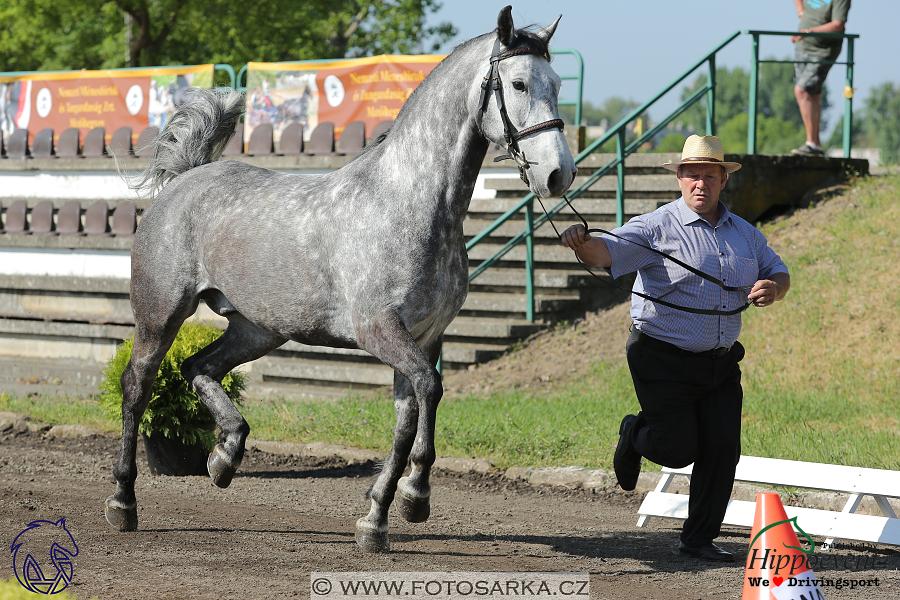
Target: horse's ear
[506,31]
[547,32]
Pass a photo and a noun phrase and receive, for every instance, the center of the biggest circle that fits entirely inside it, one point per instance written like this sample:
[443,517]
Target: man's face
[701,185]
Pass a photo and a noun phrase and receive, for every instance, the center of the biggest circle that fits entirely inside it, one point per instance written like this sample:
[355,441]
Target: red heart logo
[777,581]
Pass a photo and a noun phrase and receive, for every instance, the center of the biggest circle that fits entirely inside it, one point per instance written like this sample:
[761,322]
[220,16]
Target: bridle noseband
[510,133]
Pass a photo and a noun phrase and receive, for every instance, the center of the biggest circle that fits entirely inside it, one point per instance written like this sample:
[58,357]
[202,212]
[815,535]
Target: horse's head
[518,107]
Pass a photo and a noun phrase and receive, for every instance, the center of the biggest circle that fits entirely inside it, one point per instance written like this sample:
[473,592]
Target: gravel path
[284,517]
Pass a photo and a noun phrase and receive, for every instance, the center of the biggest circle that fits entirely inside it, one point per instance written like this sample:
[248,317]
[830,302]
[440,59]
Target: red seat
[291,143]
[68,145]
[120,143]
[16,218]
[95,143]
[68,219]
[42,219]
[321,140]
[353,138]
[96,219]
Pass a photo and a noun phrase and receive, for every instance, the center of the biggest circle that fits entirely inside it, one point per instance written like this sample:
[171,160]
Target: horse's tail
[195,134]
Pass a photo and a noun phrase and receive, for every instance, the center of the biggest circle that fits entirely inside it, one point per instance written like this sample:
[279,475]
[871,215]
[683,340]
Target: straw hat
[706,150]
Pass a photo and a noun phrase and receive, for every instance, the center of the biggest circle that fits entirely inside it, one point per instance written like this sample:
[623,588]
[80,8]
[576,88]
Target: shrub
[175,410]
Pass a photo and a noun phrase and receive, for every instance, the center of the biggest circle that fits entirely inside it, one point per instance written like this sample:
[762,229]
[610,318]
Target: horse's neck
[436,139]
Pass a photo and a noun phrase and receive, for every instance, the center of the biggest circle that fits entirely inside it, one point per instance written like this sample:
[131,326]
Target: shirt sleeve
[840,10]
[628,257]
[769,262]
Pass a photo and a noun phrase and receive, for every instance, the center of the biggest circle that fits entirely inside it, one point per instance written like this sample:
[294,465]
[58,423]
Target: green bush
[174,410]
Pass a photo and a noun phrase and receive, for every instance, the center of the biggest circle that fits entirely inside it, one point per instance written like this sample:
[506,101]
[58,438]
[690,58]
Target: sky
[634,48]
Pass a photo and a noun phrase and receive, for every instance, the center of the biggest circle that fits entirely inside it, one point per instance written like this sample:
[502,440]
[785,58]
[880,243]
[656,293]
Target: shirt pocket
[740,271]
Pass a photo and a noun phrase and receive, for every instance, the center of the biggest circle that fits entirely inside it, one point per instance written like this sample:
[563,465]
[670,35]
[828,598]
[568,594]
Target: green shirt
[819,12]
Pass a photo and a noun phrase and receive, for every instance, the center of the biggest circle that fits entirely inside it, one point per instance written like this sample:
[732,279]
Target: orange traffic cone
[777,566]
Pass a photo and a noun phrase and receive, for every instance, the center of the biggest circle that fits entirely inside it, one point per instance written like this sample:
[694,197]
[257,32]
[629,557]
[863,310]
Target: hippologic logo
[794,521]
[30,549]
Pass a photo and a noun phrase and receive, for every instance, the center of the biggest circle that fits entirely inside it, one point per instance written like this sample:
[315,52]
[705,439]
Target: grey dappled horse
[370,256]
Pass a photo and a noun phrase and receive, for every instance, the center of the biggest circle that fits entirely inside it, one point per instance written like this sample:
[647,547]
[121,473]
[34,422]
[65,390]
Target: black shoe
[627,460]
[707,551]
[807,150]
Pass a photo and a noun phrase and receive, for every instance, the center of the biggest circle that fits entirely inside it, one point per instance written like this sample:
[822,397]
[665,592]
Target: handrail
[754,82]
[579,76]
[623,151]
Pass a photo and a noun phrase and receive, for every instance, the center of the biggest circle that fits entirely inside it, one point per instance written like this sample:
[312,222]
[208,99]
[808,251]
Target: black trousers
[690,413]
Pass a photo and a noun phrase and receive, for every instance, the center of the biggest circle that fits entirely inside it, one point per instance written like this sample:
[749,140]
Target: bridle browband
[510,133]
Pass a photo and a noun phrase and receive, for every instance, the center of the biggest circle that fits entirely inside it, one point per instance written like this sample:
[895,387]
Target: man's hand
[592,251]
[766,292]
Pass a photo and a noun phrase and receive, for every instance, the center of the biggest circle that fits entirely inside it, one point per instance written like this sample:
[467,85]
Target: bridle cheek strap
[512,136]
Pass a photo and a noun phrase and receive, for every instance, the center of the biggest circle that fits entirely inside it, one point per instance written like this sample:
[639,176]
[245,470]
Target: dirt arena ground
[285,517]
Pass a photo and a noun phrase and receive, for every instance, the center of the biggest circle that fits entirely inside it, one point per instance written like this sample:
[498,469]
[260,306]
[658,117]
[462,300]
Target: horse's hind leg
[151,342]
[417,391]
[242,342]
[414,491]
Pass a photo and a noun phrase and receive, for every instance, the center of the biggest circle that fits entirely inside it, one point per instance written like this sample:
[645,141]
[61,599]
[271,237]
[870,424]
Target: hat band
[703,159]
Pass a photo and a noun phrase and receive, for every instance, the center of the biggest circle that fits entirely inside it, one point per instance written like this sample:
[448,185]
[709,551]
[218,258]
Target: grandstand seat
[321,140]
[68,219]
[42,145]
[120,143]
[235,145]
[291,143]
[261,141]
[95,143]
[353,138]
[143,149]
[68,146]
[18,144]
[42,219]
[96,219]
[381,128]
[124,221]
[16,218]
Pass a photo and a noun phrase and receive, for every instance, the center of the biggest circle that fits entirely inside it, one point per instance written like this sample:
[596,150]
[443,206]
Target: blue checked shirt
[734,251]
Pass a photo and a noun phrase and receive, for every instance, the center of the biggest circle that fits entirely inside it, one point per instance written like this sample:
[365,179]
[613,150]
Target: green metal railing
[848,86]
[579,76]
[624,149]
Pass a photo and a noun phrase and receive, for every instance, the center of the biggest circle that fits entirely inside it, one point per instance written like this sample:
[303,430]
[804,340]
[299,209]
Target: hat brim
[730,167]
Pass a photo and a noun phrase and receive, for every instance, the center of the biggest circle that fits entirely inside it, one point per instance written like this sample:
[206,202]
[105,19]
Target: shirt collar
[688,216]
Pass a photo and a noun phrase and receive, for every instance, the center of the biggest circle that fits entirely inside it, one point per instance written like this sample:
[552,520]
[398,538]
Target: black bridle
[512,136]
[510,133]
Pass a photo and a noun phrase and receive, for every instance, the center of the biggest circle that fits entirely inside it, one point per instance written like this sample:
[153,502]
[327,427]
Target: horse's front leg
[417,388]
[372,530]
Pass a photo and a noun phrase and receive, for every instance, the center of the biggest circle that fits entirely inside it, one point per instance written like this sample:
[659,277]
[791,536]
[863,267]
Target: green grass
[820,376]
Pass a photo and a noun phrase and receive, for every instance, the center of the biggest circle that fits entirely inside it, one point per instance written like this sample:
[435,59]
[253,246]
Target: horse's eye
[519,85]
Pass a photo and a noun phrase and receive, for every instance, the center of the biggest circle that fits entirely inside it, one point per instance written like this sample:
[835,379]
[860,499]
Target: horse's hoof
[414,509]
[221,471]
[123,518]
[370,539]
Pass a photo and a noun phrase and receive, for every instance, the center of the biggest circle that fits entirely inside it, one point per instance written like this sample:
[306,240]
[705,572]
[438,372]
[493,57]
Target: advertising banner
[371,90]
[136,98]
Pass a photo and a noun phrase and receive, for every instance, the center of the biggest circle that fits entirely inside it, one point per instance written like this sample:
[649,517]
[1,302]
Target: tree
[877,125]
[779,124]
[99,34]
